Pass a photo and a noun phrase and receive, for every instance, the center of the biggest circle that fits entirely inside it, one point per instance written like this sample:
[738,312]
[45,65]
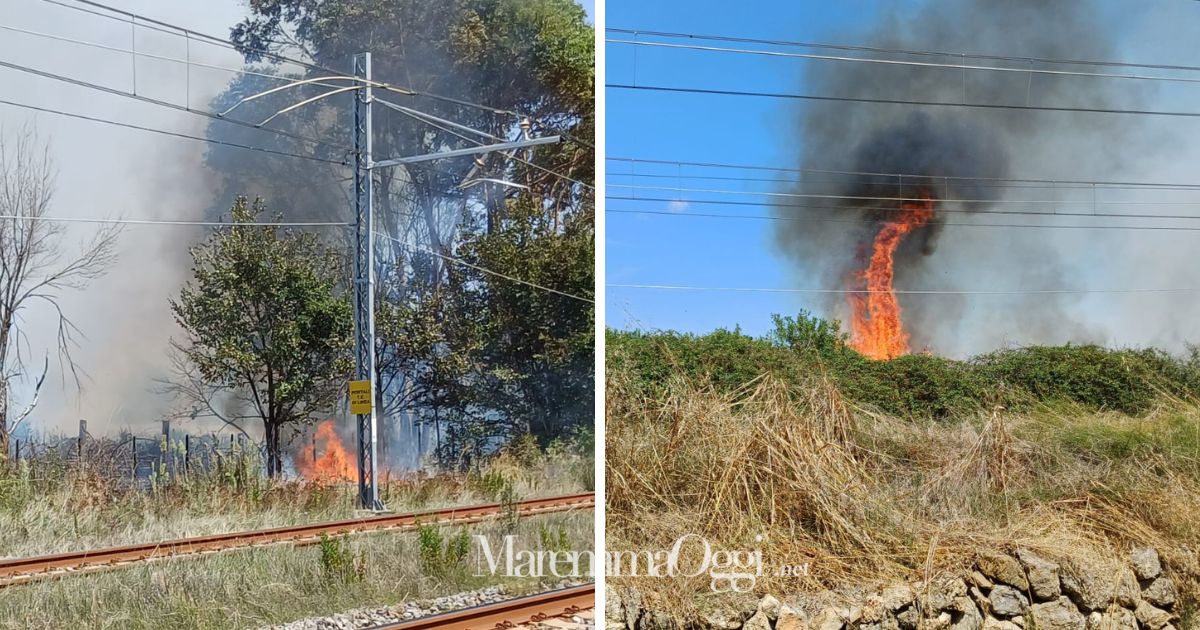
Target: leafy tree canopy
[264,322]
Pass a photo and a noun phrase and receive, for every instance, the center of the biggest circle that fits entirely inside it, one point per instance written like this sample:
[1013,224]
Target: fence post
[17,459]
[164,449]
[187,451]
[133,470]
[79,440]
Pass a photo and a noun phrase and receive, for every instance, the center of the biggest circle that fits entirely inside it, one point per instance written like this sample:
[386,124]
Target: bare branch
[37,390]
[35,264]
[198,396]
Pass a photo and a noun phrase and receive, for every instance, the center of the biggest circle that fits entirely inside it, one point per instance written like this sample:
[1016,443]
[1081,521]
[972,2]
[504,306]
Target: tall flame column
[877,329]
[364,282]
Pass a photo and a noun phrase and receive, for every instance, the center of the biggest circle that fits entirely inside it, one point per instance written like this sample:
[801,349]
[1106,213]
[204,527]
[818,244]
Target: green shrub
[726,359]
[809,335]
[490,484]
[525,450]
[510,510]
[429,545]
[914,385]
[16,487]
[458,548]
[441,556]
[339,563]
[553,539]
[575,454]
[803,347]
[1099,378]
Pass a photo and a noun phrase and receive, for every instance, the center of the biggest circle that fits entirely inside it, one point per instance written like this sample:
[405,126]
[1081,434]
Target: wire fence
[139,459]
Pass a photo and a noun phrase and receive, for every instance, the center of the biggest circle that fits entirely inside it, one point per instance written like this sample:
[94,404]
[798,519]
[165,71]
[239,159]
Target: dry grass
[254,588]
[51,507]
[865,498]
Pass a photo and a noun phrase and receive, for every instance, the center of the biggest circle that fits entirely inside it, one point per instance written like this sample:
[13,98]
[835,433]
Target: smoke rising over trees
[475,356]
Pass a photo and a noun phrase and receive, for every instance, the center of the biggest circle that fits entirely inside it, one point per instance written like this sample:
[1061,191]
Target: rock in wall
[1019,591]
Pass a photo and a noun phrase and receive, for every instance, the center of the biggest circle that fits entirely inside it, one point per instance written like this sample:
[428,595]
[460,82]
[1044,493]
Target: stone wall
[1021,591]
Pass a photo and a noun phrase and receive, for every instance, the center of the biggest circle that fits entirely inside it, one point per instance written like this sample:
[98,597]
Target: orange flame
[876,329]
[336,463]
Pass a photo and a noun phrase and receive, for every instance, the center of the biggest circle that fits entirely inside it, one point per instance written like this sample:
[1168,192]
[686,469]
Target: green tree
[265,326]
[424,352]
[536,347]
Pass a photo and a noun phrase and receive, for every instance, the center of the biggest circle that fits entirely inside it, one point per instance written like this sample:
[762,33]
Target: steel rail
[20,570]
[508,613]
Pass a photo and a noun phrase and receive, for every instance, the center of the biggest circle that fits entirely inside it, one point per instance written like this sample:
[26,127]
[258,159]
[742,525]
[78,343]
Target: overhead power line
[899,51]
[464,263]
[765,193]
[1089,215]
[670,287]
[177,30]
[142,21]
[165,27]
[898,62]
[914,176]
[164,132]
[187,61]
[710,215]
[1012,184]
[139,53]
[167,104]
[852,99]
[12,217]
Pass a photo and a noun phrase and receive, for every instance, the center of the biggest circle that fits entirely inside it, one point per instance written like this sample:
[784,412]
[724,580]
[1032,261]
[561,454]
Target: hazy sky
[108,171]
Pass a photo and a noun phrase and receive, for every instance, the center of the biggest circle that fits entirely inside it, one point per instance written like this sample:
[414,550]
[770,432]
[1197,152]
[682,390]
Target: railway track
[21,570]
[533,611]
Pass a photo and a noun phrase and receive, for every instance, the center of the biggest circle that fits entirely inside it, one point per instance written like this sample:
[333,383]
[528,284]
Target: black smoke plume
[957,154]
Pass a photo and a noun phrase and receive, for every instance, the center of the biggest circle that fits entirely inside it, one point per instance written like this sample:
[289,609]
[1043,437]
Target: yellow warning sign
[360,397]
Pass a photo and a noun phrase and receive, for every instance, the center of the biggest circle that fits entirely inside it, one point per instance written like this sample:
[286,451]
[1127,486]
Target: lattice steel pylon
[364,284]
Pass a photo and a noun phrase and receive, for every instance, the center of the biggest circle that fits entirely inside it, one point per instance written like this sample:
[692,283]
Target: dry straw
[865,498]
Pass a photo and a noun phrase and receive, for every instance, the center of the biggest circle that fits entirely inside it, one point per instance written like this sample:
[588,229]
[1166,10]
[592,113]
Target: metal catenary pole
[364,261]
[364,283]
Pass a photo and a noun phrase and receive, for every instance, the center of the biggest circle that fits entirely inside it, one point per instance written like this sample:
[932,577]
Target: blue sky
[650,249]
